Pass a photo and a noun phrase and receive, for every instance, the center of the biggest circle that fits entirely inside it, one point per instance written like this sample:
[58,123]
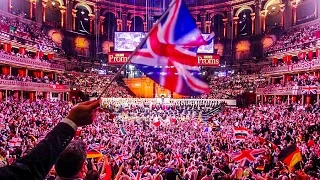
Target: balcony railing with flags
[302,66]
[290,90]
[32,86]
[31,63]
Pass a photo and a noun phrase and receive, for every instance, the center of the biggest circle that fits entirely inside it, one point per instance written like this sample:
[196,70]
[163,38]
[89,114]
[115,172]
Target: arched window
[82,20]
[217,25]
[245,23]
[137,24]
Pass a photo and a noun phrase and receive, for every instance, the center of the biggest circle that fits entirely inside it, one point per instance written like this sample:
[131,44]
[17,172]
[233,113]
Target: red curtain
[275,61]
[287,59]
[5,70]
[37,74]
[301,55]
[7,47]
[22,72]
[310,55]
[22,50]
[32,95]
[50,56]
[317,52]
[39,54]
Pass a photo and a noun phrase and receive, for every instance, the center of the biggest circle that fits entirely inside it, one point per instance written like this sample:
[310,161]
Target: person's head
[92,175]
[72,161]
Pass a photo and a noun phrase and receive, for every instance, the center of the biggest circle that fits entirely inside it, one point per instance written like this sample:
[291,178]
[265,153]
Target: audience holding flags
[280,141]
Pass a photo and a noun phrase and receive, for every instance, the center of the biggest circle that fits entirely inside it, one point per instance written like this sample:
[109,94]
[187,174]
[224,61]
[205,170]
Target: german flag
[290,156]
[94,154]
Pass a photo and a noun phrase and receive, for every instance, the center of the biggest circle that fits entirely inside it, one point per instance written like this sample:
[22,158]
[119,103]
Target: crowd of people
[301,37]
[30,33]
[164,141]
[230,86]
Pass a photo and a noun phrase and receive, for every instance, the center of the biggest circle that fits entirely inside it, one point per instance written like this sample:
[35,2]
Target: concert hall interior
[159,89]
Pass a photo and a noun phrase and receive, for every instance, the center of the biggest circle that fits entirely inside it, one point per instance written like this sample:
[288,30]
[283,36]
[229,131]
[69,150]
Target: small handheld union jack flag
[168,55]
[178,158]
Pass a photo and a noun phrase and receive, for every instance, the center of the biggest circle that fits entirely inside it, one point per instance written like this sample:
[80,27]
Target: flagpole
[137,48]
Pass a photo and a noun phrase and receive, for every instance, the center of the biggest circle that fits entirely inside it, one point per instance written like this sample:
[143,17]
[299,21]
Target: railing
[304,66]
[31,63]
[290,90]
[32,86]
[105,101]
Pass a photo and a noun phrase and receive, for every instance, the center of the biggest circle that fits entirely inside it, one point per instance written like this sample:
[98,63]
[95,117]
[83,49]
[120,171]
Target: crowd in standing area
[162,141]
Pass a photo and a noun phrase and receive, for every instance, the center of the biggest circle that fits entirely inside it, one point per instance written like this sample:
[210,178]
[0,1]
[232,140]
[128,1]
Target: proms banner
[118,58]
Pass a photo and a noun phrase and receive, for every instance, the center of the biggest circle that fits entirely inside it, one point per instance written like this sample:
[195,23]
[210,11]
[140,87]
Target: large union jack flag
[245,157]
[168,56]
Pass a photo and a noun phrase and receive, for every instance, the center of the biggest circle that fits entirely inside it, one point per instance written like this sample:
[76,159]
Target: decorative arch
[243,8]
[60,2]
[215,13]
[111,11]
[84,5]
[139,15]
[271,2]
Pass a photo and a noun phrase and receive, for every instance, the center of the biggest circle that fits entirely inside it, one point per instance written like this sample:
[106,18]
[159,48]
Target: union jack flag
[309,90]
[178,158]
[295,90]
[245,157]
[137,176]
[120,158]
[168,56]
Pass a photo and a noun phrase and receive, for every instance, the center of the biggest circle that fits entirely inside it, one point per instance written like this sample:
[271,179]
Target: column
[91,17]
[318,98]
[5,5]
[124,18]
[257,23]
[282,9]
[294,12]
[69,15]
[317,8]
[225,20]
[287,21]
[74,15]
[208,26]
[274,99]
[302,99]
[145,26]
[6,95]
[31,8]
[288,99]
[253,16]
[39,10]
[63,13]
[102,24]
[119,25]
[235,29]
[44,6]
[203,17]
[10,70]
[198,24]
[129,25]
[263,19]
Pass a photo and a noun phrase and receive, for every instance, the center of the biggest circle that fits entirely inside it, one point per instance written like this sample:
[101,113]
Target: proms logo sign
[115,58]
[119,58]
[208,60]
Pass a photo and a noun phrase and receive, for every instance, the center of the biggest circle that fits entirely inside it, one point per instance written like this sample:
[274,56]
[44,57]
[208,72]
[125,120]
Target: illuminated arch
[243,8]
[216,13]
[60,2]
[271,2]
[138,15]
[114,12]
[84,5]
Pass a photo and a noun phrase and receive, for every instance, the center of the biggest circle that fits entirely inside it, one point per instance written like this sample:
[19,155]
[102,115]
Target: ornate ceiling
[159,3]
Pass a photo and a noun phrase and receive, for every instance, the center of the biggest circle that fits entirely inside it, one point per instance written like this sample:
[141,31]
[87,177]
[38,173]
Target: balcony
[291,90]
[293,68]
[30,63]
[32,86]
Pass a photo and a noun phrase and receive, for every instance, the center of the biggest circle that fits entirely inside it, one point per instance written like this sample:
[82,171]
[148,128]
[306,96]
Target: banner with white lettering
[119,58]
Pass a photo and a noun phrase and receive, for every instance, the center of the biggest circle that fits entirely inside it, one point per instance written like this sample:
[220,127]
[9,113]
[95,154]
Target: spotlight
[53,3]
[273,8]
[82,12]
